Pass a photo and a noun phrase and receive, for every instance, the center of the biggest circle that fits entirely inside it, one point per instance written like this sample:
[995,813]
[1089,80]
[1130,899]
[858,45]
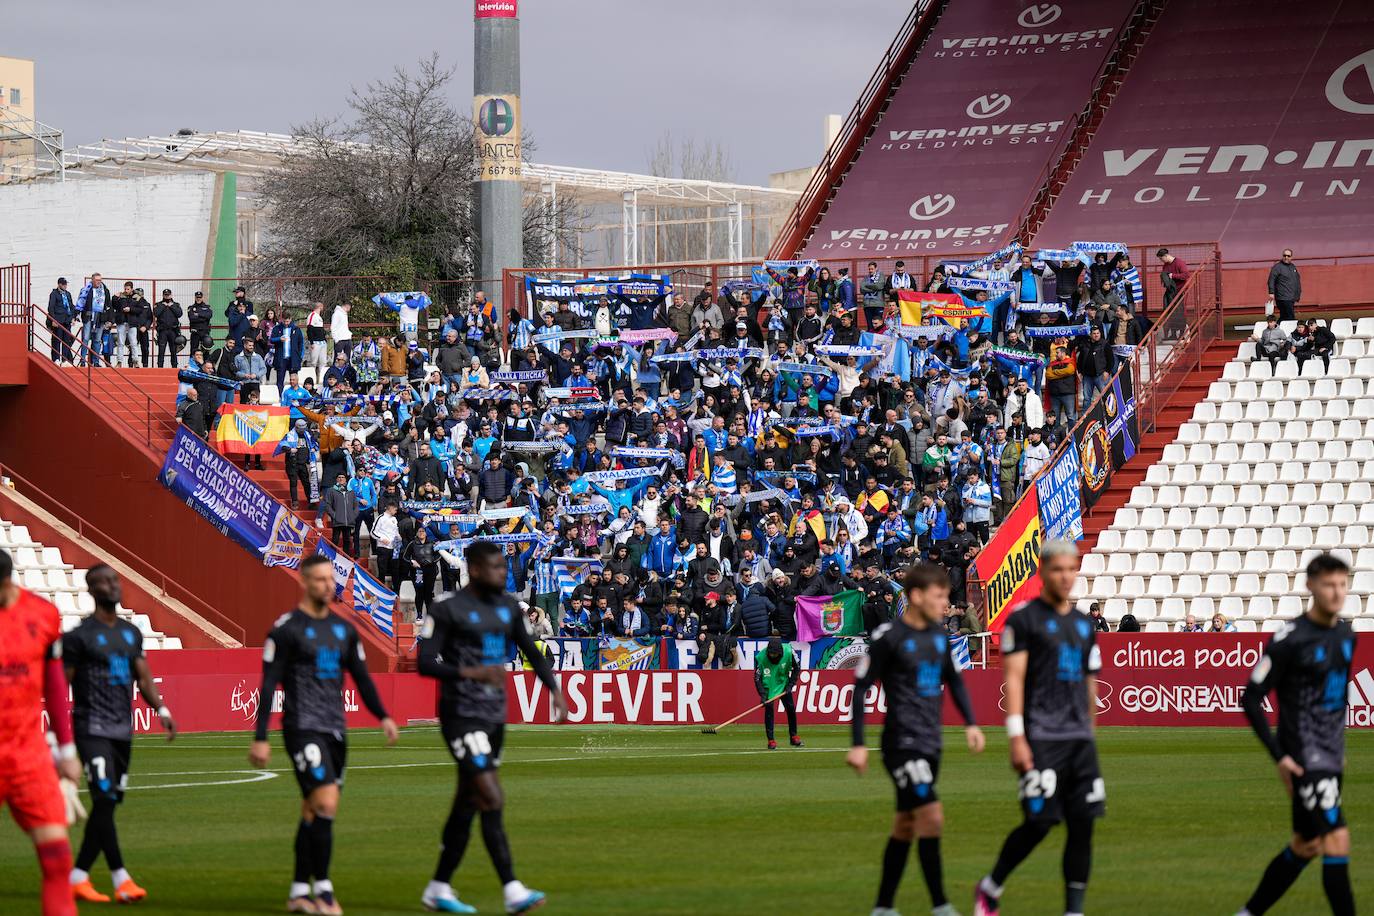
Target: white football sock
[298,889]
[992,890]
[77,876]
[324,887]
[439,889]
[119,876]
[516,891]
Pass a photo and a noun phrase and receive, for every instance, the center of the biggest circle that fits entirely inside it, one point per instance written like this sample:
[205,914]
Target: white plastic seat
[1179,517]
[1109,540]
[1202,606]
[1356,536]
[1217,584]
[1316,514]
[1234,371]
[1152,517]
[1300,537]
[1157,475]
[1103,587]
[1232,411]
[1327,536]
[1363,408]
[1324,389]
[1295,430]
[1311,409]
[1247,583]
[1272,391]
[1218,539]
[1201,562]
[1122,564]
[1172,609]
[1220,391]
[1233,517]
[1260,607]
[1188,539]
[1141,495]
[1204,412]
[1272,625]
[1186,473]
[1254,411]
[1351,388]
[1244,539]
[1344,471]
[1160,586]
[1363,367]
[1268,431]
[1286,369]
[1220,495]
[1205,517]
[1126,517]
[1113,608]
[1245,626]
[1256,561]
[1228,561]
[1163,539]
[66,604]
[1131,587]
[1188,585]
[1134,540]
[1155,626]
[1192,432]
[1091,565]
[1144,608]
[1360,449]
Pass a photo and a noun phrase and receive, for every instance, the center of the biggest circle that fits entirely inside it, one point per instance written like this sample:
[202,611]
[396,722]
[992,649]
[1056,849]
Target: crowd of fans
[790,458]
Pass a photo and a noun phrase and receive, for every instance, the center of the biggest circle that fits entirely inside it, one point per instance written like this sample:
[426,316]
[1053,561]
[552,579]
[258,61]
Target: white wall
[155,226]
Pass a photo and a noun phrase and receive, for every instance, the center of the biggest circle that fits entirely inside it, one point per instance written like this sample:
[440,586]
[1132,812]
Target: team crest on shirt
[504,613]
[1082,626]
[339,631]
[129,637]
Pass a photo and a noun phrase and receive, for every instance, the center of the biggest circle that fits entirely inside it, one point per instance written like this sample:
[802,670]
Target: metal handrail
[114,380]
[1145,388]
[111,545]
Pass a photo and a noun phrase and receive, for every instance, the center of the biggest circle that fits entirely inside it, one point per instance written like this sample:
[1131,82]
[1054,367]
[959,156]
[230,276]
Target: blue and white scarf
[1072,330]
[839,350]
[621,474]
[529,375]
[804,369]
[991,286]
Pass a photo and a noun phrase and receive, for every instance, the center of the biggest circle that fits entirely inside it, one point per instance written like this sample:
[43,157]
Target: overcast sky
[601,79]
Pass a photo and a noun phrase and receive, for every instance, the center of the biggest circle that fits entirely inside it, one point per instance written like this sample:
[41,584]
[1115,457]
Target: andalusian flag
[833,615]
[250,429]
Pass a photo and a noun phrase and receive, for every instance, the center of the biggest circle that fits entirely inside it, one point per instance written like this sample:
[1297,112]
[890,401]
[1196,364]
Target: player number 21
[913,772]
[475,743]
[308,756]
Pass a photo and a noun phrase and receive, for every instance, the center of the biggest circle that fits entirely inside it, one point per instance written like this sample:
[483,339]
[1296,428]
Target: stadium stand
[1274,466]
[43,571]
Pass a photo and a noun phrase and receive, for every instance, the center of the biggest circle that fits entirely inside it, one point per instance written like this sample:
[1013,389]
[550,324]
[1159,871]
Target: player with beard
[911,658]
[307,652]
[1307,664]
[465,644]
[1050,661]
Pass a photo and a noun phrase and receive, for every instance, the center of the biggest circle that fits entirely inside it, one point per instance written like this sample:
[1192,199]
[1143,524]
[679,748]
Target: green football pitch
[667,820]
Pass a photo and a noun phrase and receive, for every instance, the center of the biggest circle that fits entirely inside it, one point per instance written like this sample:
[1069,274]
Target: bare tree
[392,182]
[685,237]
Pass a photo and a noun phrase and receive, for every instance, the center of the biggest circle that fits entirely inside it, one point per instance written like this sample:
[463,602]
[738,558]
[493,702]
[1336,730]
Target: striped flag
[958,651]
[569,572]
[374,601]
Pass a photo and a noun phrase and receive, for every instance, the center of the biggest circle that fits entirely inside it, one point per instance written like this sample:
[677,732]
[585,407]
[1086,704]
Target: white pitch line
[252,777]
[269,774]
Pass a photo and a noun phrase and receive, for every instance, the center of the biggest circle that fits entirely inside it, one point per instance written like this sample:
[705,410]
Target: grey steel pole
[496,116]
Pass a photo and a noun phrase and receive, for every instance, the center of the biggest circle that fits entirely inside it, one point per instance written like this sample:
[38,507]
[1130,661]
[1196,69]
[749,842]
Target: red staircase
[1177,410]
[111,387]
[1109,81]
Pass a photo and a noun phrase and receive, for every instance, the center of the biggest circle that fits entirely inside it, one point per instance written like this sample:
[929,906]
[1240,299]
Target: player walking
[465,645]
[1050,661]
[911,657]
[31,675]
[307,653]
[776,671]
[103,658]
[1307,664]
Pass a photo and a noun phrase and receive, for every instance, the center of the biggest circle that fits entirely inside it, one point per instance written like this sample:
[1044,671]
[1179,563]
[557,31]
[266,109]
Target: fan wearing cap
[776,672]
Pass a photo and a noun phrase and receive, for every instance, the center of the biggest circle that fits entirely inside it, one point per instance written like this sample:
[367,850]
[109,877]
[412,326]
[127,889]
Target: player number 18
[913,772]
[476,743]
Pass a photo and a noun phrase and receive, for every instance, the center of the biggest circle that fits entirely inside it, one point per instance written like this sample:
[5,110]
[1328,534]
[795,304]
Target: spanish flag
[250,429]
[909,300]
[878,499]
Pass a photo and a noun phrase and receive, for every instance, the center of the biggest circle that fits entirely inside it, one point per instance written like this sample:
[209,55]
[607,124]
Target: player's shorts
[107,765]
[32,793]
[1317,804]
[475,744]
[318,758]
[914,774]
[1065,782]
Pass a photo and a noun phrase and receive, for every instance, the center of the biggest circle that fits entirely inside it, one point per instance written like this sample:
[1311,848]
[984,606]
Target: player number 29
[308,756]
[1038,783]
[475,743]
[913,772]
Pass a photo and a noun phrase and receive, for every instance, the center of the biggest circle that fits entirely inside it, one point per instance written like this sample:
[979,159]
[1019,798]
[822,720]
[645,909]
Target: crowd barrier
[1146,680]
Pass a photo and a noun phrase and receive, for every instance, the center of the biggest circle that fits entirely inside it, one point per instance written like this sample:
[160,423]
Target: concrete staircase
[1178,409]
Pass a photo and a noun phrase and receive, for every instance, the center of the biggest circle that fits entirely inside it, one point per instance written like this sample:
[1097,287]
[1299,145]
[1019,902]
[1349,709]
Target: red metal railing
[689,278]
[857,126]
[111,545]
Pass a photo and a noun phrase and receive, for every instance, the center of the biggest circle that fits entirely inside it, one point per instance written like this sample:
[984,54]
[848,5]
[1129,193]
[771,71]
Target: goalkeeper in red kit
[30,674]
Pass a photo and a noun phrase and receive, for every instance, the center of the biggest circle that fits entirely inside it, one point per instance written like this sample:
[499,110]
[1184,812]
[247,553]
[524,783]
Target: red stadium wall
[1155,679]
[67,447]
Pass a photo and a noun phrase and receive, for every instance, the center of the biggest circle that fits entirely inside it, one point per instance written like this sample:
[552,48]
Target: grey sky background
[601,80]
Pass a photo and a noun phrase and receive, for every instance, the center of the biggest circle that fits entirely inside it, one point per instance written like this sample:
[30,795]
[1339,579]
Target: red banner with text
[1146,680]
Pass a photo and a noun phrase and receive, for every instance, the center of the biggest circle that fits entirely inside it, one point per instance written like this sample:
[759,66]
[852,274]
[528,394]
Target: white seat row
[1352,425]
[1234,519]
[1308,408]
[1342,328]
[1299,537]
[1354,446]
[1314,368]
[1248,495]
[1258,559]
[1345,471]
[1278,390]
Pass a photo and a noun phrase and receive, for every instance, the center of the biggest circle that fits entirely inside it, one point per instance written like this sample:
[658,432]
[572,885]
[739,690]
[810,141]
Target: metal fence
[689,279]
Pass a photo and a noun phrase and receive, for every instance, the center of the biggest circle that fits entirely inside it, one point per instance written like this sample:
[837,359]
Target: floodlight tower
[496,117]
